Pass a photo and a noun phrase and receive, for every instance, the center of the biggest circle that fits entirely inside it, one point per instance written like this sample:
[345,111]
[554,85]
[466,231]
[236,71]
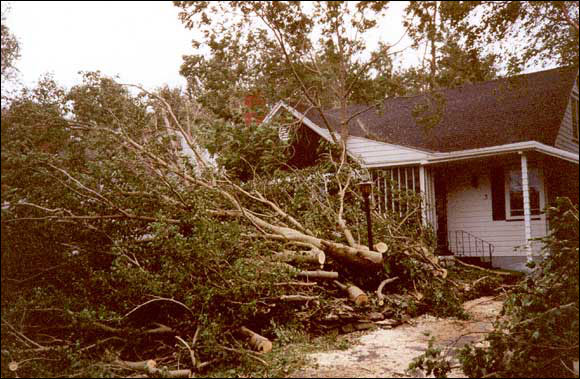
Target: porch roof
[500,150]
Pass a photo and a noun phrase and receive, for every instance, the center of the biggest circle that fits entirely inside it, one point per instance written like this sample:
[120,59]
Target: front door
[441,207]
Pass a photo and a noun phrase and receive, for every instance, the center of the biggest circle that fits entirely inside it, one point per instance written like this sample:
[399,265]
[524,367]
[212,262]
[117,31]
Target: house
[486,157]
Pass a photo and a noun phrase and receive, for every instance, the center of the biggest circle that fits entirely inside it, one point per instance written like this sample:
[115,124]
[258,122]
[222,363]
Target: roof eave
[500,150]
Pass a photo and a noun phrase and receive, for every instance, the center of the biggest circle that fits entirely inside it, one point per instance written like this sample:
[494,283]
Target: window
[515,194]
[575,118]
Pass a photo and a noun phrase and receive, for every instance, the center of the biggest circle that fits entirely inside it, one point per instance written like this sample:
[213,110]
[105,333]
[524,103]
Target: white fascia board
[395,164]
[324,133]
[273,112]
[435,158]
[502,149]
[558,153]
[413,149]
[300,116]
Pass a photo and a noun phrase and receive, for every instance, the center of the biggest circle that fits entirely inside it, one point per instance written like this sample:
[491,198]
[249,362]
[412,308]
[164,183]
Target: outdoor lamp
[365,188]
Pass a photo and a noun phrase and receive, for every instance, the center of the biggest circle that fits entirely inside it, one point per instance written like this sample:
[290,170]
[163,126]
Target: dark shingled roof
[527,107]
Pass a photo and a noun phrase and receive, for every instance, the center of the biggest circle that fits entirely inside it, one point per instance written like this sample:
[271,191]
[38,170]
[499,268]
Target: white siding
[565,140]
[375,153]
[470,209]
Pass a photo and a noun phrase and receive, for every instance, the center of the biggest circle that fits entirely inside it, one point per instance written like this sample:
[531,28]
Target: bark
[161,329]
[504,273]
[319,274]
[291,298]
[352,255]
[314,255]
[339,251]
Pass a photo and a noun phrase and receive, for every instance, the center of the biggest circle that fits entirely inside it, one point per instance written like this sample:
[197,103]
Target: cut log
[314,255]
[389,323]
[351,255]
[376,316]
[336,250]
[257,342]
[319,274]
[355,294]
[381,247]
[150,367]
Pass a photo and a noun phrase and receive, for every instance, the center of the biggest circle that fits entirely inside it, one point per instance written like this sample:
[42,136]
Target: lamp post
[365,189]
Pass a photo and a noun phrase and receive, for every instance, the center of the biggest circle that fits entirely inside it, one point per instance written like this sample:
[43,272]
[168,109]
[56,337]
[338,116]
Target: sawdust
[388,352]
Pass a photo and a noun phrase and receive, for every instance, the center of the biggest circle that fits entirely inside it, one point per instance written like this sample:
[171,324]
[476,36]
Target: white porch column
[423,189]
[527,212]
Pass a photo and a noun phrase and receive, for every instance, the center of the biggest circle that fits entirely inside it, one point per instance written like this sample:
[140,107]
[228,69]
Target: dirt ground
[388,352]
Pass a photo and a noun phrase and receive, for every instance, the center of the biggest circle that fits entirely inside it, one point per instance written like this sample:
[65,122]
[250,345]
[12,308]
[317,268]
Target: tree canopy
[10,50]
[540,32]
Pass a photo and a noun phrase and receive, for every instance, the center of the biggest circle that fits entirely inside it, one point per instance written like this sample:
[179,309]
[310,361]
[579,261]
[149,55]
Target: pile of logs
[354,310]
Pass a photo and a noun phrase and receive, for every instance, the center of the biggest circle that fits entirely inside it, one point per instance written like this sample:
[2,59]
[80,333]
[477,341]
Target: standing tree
[546,30]
[450,63]
[10,50]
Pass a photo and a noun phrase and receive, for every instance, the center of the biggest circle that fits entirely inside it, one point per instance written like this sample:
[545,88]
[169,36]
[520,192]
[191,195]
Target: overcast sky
[142,42]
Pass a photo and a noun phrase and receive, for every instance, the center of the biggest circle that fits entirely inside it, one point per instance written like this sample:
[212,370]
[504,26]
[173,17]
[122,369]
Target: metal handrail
[465,244]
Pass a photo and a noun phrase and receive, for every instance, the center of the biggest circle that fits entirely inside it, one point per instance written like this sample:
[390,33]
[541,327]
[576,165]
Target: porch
[485,209]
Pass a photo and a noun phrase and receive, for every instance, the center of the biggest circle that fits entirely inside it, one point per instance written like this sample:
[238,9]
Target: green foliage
[545,30]
[540,333]
[432,362]
[274,49]
[91,230]
[452,63]
[66,267]
[10,49]
[245,151]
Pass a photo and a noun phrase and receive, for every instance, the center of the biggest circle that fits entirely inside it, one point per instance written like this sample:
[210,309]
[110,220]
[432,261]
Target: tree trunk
[150,367]
[355,294]
[318,274]
[257,342]
[314,255]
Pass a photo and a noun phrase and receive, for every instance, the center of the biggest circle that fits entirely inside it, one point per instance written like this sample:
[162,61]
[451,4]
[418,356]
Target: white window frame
[508,206]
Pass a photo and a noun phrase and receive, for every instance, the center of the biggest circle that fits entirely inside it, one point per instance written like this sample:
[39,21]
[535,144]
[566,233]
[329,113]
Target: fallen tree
[145,229]
[159,239]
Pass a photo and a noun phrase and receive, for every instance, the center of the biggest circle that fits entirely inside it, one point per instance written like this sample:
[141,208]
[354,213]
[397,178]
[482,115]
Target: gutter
[500,150]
